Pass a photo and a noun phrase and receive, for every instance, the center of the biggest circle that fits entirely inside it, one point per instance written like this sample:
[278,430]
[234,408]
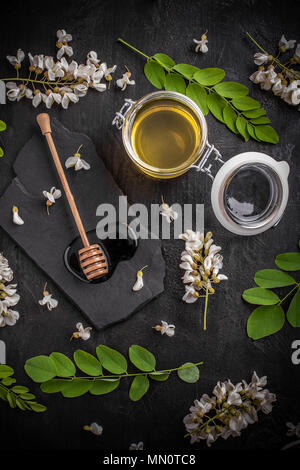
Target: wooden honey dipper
[92,260]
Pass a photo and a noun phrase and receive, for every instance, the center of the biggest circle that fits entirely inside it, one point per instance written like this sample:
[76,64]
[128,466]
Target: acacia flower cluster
[201,262]
[282,79]
[229,410]
[57,81]
[8,295]
[201,44]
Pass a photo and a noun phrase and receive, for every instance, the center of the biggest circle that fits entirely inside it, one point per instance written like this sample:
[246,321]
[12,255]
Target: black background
[154,26]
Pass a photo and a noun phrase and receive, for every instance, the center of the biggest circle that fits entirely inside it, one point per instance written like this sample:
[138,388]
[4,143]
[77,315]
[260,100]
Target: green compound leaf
[265,321]
[87,363]
[260,296]
[288,261]
[231,89]
[255,113]
[5,371]
[64,366]
[139,387]
[209,76]
[53,386]
[164,59]
[266,134]
[40,368]
[155,74]
[76,387]
[2,126]
[103,386]
[245,103]
[160,376]
[216,105]
[271,278]
[175,83]
[111,360]
[230,117]
[198,94]
[241,125]
[186,70]
[293,313]
[142,358]
[189,374]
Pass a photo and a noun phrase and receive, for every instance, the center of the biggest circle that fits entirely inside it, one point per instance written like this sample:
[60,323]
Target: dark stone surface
[46,237]
[169,27]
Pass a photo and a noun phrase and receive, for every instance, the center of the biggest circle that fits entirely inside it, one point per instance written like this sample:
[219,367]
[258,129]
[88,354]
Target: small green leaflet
[231,89]
[216,105]
[175,83]
[230,118]
[209,76]
[271,278]
[164,60]
[142,358]
[293,313]
[265,321]
[198,94]
[189,374]
[155,74]
[288,261]
[111,360]
[260,296]
[139,387]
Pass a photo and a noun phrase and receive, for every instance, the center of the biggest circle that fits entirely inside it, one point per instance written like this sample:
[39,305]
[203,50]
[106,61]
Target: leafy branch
[57,373]
[269,317]
[17,395]
[227,101]
[2,128]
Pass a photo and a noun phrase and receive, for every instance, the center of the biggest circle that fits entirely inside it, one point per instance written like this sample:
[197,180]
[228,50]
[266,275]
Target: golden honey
[166,135]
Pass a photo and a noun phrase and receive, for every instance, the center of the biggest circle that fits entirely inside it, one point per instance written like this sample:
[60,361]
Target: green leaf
[3,394]
[231,89]
[198,94]
[189,374]
[155,74]
[27,396]
[164,59]
[2,126]
[87,363]
[8,381]
[271,278]
[186,70]
[64,366]
[21,405]
[5,371]
[175,83]
[40,368]
[267,134]
[139,387]
[260,120]
[111,360]
[288,261]
[245,103]
[76,387]
[142,358]
[20,389]
[216,105]
[230,117]
[209,76]
[11,399]
[54,385]
[265,321]
[293,313]
[241,125]
[159,376]
[260,296]
[251,132]
[255,113]
[1,152]
[103,386]
[37,407]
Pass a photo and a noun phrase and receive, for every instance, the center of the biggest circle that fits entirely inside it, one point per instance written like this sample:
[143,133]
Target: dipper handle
[43,121]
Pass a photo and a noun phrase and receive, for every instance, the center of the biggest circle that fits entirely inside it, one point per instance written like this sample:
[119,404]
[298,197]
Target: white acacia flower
[77,162]
[293,430]
[62,43]
[62,36]
[8,296]
[51,197]
[16,218]
[9,318]
[165,328]
[6,273]
[270,78]
[67,96]
[168,212]
[54,69]
[201,44]
[36,61]
[125,80]
[191,295]
[284,44]
[297,53]
[83,333]
[107,71]
[17,59]
[258,76]
[138,446]
[80,89]
[95,428]
[50,98]
[193,240]
[261,58]
[92,58]
[38,98]
[139,283]
[48,300]
[16,92]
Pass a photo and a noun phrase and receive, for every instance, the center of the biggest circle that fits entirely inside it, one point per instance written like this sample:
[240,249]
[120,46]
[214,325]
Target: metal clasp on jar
[201,166]
[120,115]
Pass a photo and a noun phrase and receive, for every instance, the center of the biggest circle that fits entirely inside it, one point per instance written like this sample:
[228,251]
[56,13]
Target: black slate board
[45,238]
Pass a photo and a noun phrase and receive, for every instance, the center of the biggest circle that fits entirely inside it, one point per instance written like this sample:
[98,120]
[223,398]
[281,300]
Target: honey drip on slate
[165,134]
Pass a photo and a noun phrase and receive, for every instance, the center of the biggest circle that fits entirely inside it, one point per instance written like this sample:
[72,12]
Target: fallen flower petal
[138,446]
[95,428]
[139,283]
[48,300]
[165,328]
[83,333]
[16,218]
